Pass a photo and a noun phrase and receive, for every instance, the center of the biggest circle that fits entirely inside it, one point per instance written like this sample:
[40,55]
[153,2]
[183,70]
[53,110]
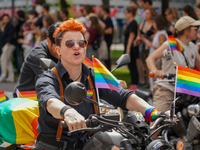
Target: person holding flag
[71,48]
[176,51]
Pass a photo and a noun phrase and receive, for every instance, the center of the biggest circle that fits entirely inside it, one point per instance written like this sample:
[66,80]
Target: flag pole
[98,100]
[172,115]
[171,51]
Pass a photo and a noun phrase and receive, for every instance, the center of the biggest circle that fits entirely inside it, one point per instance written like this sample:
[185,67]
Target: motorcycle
[132,133]
[187,110]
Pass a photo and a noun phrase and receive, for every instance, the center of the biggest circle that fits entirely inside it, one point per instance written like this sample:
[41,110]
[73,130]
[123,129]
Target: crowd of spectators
[144,31]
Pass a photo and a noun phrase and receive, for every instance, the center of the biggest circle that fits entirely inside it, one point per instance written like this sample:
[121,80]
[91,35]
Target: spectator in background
[32,17]
[147,31]
[64,14]
[7,50]
[47,22]
[45,9]
[171,15]
[18,52]
[130,35]
[27,41]
[198,15]
[55,15]
[198,11]
[139,63]
[146,4]
[89,11]
[38,24]
[108,32]
[93,32]
[158,39]
[189,11]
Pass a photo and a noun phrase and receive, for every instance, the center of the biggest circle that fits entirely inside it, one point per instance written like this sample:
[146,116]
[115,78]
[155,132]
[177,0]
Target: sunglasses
[71,43]
[195,28]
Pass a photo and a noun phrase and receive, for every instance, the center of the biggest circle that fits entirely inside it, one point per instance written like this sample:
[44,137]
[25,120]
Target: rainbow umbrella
[19,120]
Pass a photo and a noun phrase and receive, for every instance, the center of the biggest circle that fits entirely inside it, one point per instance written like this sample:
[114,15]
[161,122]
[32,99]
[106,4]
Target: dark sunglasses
[71,43]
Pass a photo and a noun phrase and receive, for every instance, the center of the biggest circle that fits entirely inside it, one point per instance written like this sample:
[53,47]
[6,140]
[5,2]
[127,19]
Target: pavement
[7,87]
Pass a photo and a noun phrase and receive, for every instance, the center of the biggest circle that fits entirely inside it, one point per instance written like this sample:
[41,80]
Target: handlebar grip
[151,74]
[88,122]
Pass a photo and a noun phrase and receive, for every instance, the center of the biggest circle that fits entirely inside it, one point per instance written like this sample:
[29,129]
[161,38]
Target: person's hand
[159,74]
[74,120]
[25,33]
[148,43]
[122,83]
[20,41]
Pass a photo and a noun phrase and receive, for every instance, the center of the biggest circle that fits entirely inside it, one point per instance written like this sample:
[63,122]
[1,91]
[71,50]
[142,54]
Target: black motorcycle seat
[143,93]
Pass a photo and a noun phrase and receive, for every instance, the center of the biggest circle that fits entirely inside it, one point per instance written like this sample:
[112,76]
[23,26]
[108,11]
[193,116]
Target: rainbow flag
[89,94]
[88,62]
[2,96]
[103,77]
[188,81]
[26,94]
[174,44]
[19,122]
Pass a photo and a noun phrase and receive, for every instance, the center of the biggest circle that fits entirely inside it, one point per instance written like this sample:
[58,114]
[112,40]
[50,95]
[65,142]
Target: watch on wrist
[62,111]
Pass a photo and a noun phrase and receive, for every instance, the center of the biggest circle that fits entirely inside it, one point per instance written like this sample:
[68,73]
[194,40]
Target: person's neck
[74,71]
[184,40]
[105,16]
[131,19]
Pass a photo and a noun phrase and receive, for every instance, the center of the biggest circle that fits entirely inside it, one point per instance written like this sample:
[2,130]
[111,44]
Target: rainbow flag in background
[2,96]
[88,62]
[174,44]
[27,94]
[188,81]
[103,77]
[89,94]
[19,122]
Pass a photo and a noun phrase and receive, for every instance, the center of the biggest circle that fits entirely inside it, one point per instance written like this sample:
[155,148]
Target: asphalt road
[7,87]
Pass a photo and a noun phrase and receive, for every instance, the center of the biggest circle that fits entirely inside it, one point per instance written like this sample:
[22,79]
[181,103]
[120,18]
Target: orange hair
[70,25]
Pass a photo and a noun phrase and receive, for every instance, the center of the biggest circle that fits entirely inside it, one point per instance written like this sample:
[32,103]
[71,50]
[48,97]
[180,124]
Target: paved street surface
[7,88]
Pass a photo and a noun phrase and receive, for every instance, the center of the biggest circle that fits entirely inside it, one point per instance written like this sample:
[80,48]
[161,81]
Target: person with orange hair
[71,48]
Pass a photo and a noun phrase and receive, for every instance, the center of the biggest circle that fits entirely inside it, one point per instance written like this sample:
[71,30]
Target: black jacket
[8,34]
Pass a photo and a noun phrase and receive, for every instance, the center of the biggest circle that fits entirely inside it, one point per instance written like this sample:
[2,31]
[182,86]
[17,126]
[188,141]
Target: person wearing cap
[186,29]
[31,66]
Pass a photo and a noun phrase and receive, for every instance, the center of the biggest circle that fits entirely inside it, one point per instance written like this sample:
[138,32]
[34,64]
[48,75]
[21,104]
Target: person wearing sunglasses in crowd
[186,29]
[71,48]
[31,66]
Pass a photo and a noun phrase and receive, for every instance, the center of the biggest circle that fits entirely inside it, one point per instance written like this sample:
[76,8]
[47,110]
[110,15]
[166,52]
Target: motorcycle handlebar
[167,75]
[156,123]
[93,122]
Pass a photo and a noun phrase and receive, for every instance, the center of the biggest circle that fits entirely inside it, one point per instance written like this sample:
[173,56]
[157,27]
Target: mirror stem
[114,68]
[90,100]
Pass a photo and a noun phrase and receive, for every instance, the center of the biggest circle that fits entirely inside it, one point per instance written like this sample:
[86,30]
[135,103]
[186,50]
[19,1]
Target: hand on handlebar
[159,74]
[74,120]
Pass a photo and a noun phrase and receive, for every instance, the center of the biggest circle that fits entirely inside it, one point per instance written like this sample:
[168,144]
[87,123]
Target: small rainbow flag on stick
[103,77]
[188,81]
[26,94]
[2,96]
[174,44]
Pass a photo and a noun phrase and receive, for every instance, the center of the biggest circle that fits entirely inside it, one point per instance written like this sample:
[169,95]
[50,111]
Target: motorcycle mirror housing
[75,93]
[46,63]
[122,60]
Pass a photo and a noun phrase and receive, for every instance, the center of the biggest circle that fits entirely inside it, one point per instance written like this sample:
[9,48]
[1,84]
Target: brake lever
[96,129]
